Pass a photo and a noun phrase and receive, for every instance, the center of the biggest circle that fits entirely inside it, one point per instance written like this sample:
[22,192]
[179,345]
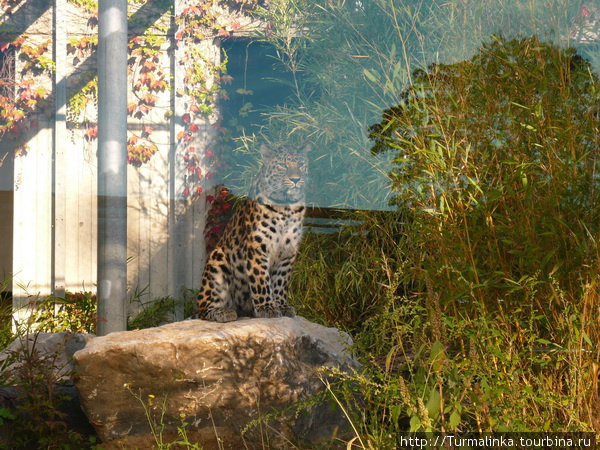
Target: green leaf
[586,338]
[395,413]
[433,404]
[415,423]
[437,355]
[370,75]
[454,420]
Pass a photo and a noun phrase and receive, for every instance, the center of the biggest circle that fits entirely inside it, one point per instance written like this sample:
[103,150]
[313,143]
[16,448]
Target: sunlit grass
[475,307]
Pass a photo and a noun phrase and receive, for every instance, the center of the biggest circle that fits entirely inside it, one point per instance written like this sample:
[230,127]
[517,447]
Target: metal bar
[112,166]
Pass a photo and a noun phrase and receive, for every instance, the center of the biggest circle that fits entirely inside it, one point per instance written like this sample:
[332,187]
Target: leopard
[248,272]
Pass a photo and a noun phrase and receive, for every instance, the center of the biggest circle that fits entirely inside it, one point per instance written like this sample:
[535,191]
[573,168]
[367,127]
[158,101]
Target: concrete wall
[54,234]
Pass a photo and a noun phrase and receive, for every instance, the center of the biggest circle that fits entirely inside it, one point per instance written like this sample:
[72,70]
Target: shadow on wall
[6,217]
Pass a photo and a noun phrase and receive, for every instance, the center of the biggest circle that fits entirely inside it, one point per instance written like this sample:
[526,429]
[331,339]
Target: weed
[155,411]
[76,312]
[37,421]
[162,310]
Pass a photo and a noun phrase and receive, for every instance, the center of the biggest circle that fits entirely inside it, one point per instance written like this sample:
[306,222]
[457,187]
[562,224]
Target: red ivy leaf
[91,133]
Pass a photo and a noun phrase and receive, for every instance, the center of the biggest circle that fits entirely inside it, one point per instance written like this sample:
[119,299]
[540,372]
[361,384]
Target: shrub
[473,307]
[76,312]
[497,160]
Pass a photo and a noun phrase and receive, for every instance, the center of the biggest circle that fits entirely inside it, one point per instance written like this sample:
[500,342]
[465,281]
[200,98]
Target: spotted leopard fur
[248,272]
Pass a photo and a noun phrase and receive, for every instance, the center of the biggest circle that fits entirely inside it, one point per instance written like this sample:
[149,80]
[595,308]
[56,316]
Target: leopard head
[282,178]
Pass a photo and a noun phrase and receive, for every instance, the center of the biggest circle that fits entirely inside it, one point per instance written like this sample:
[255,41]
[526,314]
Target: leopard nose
[295,180]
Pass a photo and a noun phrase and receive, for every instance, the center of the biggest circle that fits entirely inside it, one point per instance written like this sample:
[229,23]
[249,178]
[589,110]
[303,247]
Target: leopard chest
[279,232]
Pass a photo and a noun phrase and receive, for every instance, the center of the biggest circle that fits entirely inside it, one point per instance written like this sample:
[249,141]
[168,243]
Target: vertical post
[112,166]
[59,177]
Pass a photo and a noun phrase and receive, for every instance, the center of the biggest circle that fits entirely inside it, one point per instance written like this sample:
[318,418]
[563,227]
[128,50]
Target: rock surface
[53,351]
[218,376]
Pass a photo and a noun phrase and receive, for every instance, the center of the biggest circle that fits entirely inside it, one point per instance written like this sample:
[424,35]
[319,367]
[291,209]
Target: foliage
[20,102]
[477,300]
[474,306]
[502,192]
[217,217]
[481,376]
[154,313]
[340,260]
[76,312]
[353,60]
[6,414]
[434,366]
[155,414]
[37,421]
[153,33]
[6,334]
[161,310]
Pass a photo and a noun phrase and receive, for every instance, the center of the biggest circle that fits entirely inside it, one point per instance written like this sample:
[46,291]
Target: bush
[76,312]
[476,301]
[498,162]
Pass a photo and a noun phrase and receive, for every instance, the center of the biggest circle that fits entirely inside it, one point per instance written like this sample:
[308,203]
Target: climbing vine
[148,46]
[153,37]
[203,78]
[20,102]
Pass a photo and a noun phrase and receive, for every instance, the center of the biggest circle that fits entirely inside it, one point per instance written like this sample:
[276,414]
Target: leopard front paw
[265,312]
[288,311]
[221,315]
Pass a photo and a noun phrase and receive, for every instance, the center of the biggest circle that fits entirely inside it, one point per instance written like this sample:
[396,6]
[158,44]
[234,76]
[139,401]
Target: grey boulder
[217,377]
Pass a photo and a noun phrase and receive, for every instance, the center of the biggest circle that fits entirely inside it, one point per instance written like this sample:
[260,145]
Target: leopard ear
[305,149]
[266,152]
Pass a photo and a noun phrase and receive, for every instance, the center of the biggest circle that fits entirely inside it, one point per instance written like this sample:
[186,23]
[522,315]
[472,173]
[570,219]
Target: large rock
[219,376]
[48,352]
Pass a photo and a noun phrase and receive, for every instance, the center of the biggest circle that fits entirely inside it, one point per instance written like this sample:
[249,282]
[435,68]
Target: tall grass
[475,306]
[431,365]
[352,60]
